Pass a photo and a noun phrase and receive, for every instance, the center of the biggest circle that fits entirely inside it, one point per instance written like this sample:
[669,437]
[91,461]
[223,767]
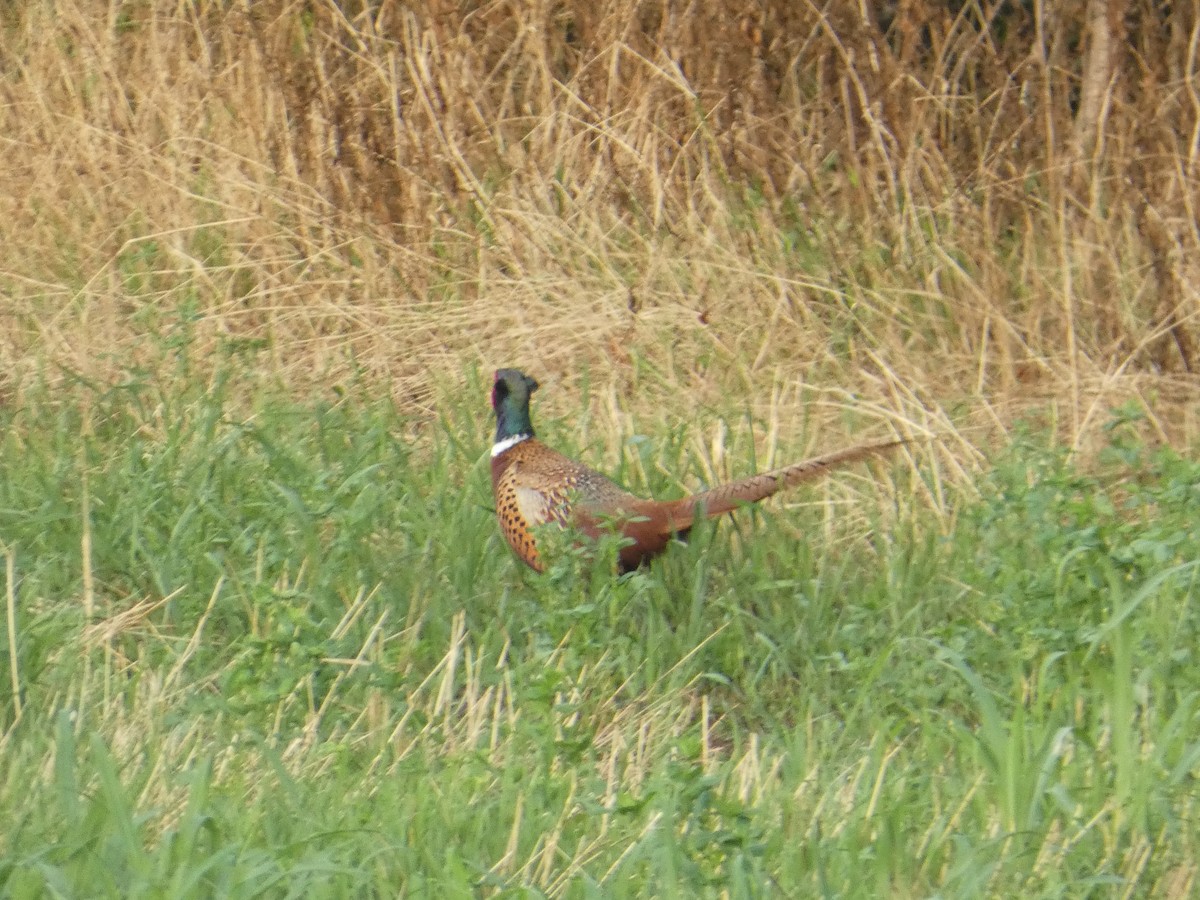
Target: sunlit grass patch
[308,663]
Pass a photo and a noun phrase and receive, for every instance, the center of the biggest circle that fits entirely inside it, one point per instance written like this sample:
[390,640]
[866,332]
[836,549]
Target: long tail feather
[728,497]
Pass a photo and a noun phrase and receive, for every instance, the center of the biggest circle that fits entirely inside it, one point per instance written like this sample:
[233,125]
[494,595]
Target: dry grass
[925,218]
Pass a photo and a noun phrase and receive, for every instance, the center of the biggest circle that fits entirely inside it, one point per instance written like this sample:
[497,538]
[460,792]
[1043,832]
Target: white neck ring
[508,443]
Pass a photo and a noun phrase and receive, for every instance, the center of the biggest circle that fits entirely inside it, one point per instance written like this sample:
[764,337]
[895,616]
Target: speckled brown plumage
[535,485]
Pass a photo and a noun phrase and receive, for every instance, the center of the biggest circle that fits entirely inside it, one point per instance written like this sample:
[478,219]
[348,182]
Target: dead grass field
[940,220]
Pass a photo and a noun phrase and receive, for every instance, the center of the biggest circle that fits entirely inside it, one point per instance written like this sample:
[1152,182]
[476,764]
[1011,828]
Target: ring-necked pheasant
[534,485]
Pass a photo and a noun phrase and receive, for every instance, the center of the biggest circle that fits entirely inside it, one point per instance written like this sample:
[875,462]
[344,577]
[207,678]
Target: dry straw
[987,207]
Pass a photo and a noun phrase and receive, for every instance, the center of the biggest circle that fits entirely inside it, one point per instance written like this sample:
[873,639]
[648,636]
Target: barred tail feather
[728,497]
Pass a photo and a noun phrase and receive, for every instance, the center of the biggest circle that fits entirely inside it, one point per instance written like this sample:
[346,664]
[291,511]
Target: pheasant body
[534,485]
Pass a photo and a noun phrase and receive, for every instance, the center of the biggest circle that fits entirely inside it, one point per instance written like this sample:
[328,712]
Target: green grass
[272,649]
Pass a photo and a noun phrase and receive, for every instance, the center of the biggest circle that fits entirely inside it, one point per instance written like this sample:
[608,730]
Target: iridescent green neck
[510,401]
[512,417]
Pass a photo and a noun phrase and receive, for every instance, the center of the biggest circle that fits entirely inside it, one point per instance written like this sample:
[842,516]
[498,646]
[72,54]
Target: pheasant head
[510,402]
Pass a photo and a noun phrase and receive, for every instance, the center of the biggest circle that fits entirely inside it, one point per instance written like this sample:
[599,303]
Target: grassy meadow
[262,637]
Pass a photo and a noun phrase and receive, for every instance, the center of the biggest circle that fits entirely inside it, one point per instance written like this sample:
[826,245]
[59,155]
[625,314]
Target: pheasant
[534,485]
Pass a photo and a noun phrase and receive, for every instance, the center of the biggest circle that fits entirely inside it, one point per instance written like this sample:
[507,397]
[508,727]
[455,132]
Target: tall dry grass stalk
[982,206]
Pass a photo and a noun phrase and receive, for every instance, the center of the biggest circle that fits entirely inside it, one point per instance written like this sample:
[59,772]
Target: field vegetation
[261,634]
